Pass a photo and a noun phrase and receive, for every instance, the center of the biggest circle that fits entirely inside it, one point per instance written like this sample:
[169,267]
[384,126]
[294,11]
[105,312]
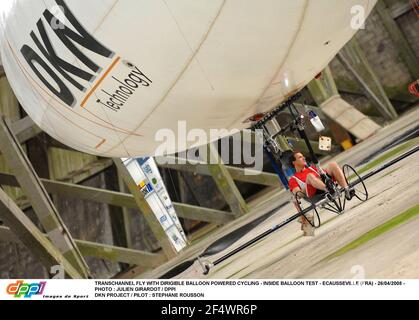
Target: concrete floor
[286,254]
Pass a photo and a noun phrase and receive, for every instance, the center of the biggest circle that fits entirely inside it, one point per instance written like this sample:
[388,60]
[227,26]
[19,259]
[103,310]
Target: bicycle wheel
[355,182]
[303,203]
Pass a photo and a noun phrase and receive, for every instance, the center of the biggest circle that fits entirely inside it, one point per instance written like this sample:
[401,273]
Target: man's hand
[296,190]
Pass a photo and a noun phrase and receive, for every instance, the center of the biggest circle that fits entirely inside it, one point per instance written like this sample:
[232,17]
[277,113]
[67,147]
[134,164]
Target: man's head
[298,160]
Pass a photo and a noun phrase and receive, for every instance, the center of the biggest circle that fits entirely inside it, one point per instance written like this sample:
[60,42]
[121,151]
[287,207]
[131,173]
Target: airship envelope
[104,76]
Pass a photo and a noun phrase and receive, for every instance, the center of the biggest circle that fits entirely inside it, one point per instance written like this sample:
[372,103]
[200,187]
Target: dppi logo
[26,290]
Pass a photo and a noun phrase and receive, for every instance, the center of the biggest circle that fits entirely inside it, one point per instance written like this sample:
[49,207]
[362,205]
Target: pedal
[330,196]
[351,194]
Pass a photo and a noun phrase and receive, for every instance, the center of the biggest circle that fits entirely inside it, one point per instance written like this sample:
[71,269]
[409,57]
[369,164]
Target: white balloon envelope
[104,76]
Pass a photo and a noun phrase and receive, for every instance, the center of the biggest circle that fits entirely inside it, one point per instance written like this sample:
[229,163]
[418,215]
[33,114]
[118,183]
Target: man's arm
[294,187]
[295,190]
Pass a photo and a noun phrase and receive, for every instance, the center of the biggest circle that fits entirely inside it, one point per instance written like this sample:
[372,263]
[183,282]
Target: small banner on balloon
[146,175]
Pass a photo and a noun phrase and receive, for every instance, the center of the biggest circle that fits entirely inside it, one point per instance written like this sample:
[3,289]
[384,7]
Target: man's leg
[316,182]
[336,172]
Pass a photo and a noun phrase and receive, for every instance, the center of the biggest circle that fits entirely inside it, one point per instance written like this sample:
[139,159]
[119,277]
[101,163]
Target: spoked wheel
[335,205]
[355,182]
[312,217]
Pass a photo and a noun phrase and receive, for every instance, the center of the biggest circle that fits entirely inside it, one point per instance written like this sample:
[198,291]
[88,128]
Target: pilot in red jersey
[308,179]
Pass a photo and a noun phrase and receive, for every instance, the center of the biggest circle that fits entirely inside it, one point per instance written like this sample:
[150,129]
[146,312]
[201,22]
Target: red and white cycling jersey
[298,180]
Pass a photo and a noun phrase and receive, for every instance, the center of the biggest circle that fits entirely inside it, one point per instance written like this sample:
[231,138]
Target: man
[308,180]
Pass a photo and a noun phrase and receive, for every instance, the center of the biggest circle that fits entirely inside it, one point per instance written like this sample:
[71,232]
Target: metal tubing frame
[296,216]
